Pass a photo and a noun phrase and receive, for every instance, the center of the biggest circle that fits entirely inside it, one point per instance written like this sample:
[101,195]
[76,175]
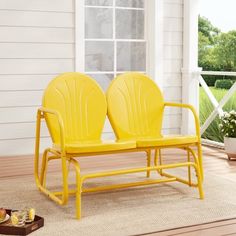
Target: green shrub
[223,84]
[210,79]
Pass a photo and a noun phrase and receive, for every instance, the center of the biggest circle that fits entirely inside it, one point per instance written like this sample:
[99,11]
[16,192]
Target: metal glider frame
[62,197]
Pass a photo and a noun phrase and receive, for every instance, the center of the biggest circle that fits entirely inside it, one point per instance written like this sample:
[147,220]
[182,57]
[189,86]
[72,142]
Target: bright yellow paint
[75,108]
[72,96]
[141,104]
[166,141]
[140,101]
[97,146]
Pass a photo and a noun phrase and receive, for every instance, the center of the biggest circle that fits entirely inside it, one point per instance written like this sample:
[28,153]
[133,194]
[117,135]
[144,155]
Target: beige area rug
[130,211]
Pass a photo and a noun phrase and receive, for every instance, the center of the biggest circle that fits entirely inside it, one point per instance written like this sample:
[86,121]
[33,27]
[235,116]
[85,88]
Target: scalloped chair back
[135,106]
[82,105]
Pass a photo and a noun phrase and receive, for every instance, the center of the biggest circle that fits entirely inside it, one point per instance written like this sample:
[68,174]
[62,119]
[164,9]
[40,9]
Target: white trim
[118,40]
[218,106]
[119,8]
[190,84]
[211,143]
[110,72]
[215,112]
[154,50]
[226,73]
[209,94]
[114,38]
[79,36]
[154,38]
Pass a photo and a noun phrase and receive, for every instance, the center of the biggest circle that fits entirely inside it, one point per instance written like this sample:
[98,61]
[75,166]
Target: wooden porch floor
[215,161]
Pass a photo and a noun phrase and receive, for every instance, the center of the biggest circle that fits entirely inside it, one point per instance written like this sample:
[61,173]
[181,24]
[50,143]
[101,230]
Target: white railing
[217,105]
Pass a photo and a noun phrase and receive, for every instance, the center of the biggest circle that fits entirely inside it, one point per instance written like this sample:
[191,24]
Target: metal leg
[156,159]
[160,161]
[197,167]
[78,188]
[44,168]
[200,160]
[65,180]
[200,189]
[189,170]
[37,146]
[148,162]
[156,156]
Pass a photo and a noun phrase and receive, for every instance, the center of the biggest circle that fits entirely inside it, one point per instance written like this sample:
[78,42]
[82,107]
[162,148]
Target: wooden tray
[8,229]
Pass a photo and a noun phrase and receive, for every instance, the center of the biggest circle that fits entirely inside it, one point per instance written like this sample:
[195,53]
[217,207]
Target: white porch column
[154,37]
[190,85]
[79,36]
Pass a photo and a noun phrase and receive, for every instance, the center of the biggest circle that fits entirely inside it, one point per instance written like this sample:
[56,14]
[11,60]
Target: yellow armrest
[190,107]
[60,122]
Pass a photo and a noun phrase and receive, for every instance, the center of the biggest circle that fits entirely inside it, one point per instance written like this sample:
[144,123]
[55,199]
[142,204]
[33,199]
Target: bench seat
[97,146]
[166,141]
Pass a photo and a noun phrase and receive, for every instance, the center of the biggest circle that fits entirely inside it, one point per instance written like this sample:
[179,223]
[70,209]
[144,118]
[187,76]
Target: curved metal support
[157,157]
[199,146]
[189,170]
[196,166]
[148,152]
[44,167]
[43,175]
[79,187]
[38,179]
[37,147]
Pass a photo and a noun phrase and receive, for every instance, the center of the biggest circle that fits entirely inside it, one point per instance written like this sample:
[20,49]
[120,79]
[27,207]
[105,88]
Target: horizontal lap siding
[172,62]
[36,44]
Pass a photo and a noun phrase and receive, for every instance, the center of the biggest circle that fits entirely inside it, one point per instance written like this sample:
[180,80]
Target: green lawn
[206,108]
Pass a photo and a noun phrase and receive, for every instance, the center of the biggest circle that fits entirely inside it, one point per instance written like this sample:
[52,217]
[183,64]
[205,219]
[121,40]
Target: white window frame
[153,31]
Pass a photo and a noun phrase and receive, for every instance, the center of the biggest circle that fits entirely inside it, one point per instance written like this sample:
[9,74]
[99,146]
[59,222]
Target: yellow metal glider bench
[75,108]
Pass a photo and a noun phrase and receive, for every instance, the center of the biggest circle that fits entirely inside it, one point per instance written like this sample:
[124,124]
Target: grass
[206,107]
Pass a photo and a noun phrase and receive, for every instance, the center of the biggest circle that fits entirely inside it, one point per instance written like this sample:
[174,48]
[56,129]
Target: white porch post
[79,36]
[154,37]
[190,84]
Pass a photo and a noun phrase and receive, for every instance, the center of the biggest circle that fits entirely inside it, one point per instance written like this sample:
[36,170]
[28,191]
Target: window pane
[98,23]
[130,3]
[99,56]
[103,80]
[129,24]
[131,56]
[98,2]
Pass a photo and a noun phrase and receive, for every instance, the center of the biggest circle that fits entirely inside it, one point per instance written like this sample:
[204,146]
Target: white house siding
[36,44]
[173,58]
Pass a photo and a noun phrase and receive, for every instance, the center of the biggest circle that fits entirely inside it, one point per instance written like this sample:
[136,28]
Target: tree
[207,37]
[225,51]
[206,28]
[216,50]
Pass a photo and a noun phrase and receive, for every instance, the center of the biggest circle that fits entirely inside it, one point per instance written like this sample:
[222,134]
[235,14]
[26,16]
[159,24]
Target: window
[114,38]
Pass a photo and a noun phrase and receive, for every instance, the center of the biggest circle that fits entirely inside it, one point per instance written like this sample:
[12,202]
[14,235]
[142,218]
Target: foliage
[224,51]
[211,80]
[216,50]
[207,29]
[228,124]
[206,108]
[207,34]
[224,84]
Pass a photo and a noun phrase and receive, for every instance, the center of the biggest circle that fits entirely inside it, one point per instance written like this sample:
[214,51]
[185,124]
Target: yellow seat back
[135,106]
[80,102]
